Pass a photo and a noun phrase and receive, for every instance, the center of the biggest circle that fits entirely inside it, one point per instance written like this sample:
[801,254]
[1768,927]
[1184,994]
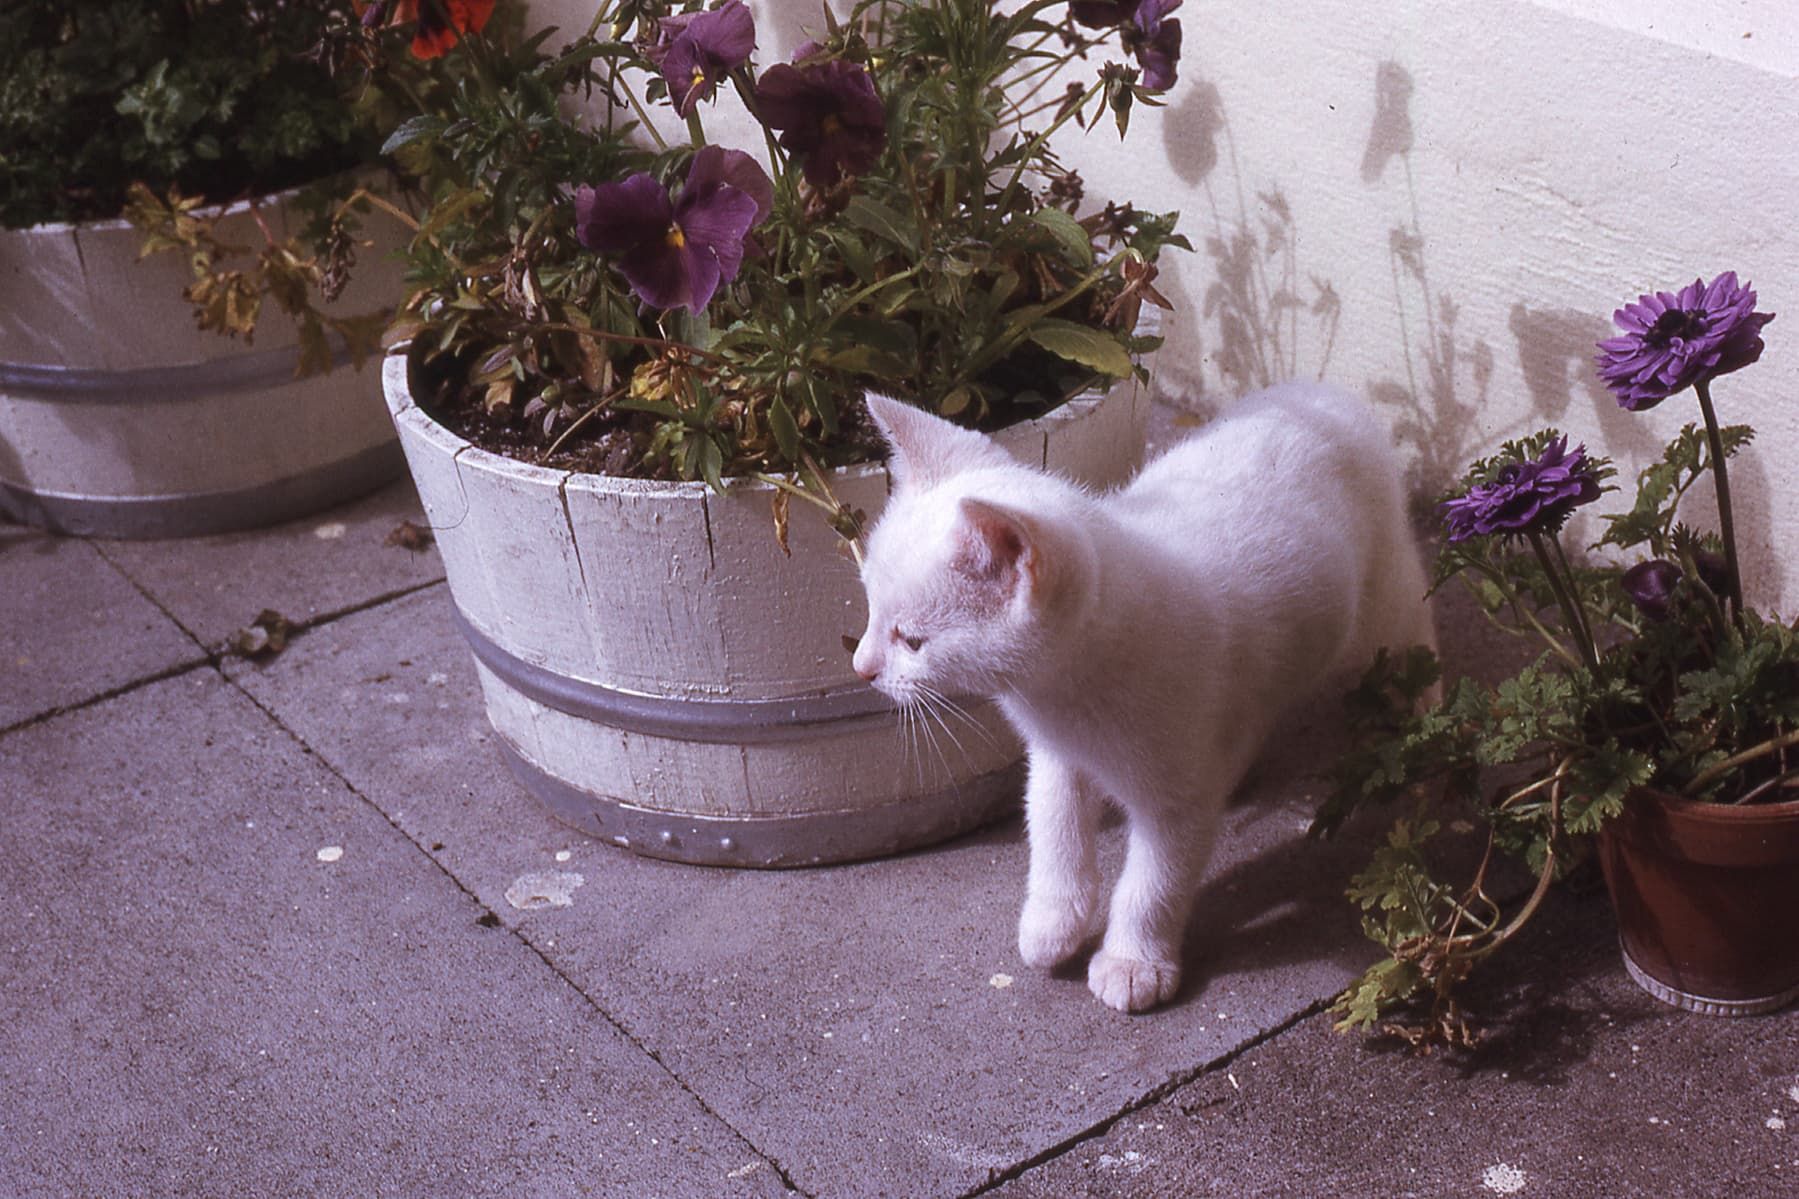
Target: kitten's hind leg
[1061,819]
[1138,966]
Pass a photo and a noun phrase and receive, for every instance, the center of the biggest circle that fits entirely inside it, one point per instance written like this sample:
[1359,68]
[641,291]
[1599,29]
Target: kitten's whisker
[925,724]
[909,721]
[957,710]
[935,713]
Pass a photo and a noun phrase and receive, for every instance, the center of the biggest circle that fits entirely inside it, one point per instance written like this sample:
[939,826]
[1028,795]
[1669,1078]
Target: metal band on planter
[802,839]
[145,490]
[205,512]
[812,839]
[158,384]
[715,721]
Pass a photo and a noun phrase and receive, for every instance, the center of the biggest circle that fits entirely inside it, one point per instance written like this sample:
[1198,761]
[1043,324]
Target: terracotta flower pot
[1707,897]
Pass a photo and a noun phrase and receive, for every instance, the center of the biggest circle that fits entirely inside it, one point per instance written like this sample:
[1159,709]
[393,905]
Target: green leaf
[874,217]
[869,360]
[1079,343]
[418,129]
[786,431]
[1067,232]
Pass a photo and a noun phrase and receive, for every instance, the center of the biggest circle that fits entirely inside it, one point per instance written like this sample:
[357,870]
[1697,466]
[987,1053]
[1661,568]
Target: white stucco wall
[1453,197]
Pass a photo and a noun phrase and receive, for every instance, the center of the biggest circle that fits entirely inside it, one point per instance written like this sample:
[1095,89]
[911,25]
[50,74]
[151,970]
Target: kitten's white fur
[1143,642]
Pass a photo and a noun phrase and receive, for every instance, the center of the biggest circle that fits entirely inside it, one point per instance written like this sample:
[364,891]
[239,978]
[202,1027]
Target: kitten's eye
[912,643]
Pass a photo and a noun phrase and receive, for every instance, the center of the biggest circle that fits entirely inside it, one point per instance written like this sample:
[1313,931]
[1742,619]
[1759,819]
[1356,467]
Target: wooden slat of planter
[517,525]
[650,598]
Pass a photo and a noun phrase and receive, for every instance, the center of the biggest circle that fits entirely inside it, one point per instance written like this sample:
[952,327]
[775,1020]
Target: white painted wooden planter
[119,418]
[662,677]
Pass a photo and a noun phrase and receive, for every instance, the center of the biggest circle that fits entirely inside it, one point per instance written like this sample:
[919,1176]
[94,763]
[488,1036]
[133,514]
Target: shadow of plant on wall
[1251,312]
[1436,416]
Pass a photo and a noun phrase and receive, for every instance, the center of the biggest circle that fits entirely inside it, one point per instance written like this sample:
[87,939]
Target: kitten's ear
[928,449]
[994,545]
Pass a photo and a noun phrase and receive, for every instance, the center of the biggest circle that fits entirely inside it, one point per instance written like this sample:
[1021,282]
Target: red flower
[441,23]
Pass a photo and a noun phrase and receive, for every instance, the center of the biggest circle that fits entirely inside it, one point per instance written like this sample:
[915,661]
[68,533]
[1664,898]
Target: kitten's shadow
[1283,907]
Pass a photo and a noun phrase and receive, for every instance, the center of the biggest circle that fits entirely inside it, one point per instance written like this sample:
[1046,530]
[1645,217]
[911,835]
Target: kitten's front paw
[1050,933]
[1129,985]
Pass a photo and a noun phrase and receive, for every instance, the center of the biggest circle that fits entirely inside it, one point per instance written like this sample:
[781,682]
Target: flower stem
[1718,770]
[1580,609]
[1577,626]
[1726,524]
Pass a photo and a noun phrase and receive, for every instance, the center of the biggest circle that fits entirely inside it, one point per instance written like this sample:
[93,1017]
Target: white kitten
[1142,642]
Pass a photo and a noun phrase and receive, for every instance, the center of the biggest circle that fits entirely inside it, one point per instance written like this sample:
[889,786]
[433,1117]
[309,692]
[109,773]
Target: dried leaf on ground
[411,536]
[263,637]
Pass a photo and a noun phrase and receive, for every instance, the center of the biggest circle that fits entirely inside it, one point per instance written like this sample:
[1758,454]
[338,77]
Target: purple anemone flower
[675,253]
[1650,586]
[828,114]
[1674,340]
[1156,41]
[1525,497]
[696,50]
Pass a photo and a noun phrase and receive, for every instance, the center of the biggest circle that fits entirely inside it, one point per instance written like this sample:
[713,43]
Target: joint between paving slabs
[1155,1094]
[631,1038]
[213,657]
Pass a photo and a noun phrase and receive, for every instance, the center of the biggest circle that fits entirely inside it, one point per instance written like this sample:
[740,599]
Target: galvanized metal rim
[200,513]
[774,842]
[680,718]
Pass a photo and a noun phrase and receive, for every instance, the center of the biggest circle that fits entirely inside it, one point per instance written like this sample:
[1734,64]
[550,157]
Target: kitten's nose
[867,663]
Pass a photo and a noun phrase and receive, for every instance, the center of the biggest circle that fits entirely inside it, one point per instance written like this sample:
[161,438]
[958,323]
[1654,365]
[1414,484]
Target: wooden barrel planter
[662,677]
[119,418]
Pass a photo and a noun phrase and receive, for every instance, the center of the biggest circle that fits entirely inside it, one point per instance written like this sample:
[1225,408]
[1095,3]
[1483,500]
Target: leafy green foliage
[1660,487]
[217,99]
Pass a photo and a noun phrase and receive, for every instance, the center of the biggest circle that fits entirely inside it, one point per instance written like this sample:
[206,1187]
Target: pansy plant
[604,280]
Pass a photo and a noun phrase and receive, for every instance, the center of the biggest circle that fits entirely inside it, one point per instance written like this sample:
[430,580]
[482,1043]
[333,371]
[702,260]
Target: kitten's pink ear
[928,449]
[994,545]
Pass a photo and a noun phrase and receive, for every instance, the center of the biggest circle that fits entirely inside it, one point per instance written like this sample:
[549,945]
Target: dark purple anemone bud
[828,114]
[1156,41]
[1525,497]
[1102,14]
[675,253]
[1650,586]
[1714,570]
[696,50]
[1674,340]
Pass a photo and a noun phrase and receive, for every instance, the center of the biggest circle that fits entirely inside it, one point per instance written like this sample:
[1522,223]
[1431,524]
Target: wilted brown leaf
[411,536]
[263,637]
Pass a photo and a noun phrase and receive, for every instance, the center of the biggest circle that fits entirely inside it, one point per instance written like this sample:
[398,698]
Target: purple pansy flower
[675,253]
[1673,340]
[696,50]
[1156,41]
[1650,586]
[828,114]
[1525,497]
[1147,33]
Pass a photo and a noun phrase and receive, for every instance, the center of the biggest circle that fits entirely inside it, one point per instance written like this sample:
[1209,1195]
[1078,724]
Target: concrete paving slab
[72,627]
[306,569]
[223,973]
[1585,1087]
[869,1026]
